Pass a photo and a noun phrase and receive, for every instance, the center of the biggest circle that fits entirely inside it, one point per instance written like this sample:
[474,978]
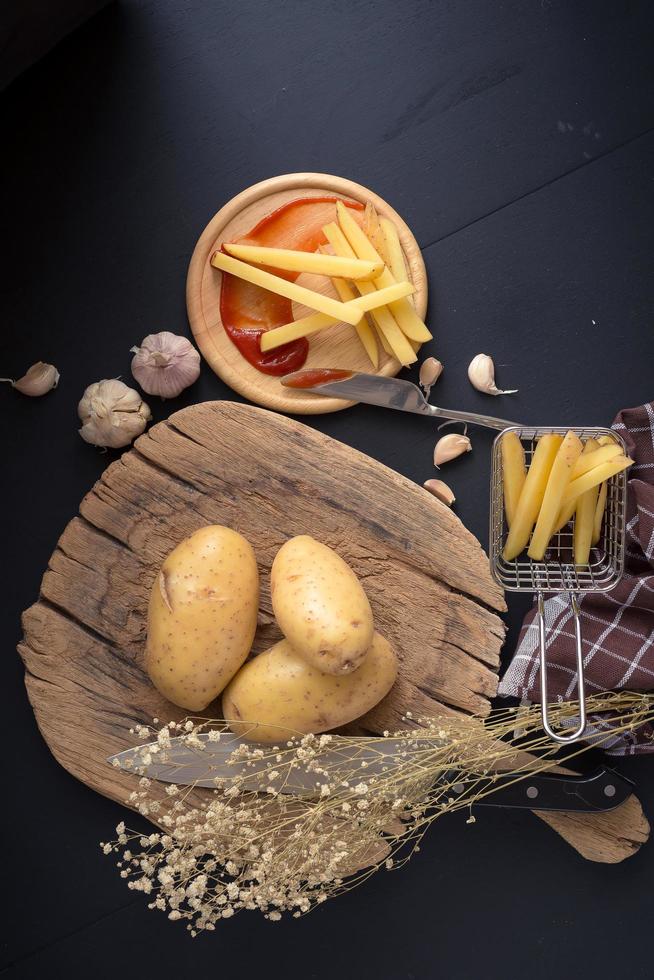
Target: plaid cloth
[618,626]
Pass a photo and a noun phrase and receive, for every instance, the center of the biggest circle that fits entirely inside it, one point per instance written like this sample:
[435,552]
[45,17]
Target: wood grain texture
[270,478]
[337,346]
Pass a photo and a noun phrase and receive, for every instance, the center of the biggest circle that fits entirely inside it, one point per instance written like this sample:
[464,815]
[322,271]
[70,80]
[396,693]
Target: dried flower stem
[231,848]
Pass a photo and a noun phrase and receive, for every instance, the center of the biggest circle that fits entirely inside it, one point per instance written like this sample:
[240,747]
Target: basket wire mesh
[557,572]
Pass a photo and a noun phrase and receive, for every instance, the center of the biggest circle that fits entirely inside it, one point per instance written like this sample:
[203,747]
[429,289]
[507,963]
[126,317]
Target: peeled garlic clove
[449,447]
[430,371]
[112,414]
[440,490]
[165,364]
[481,372]
[39,380]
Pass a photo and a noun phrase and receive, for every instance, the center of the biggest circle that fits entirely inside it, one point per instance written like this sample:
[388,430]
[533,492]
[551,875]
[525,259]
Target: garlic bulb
[430,372]
[165,364]
[450,446]
[481,372]
[39,380]
[112,414]
[440,490]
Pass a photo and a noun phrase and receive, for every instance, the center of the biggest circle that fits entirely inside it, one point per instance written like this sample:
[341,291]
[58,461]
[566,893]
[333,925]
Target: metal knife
[374,389]
[601,790]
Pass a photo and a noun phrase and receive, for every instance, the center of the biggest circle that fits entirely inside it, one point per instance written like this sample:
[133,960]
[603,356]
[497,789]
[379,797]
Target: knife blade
[218,762]
[374,389]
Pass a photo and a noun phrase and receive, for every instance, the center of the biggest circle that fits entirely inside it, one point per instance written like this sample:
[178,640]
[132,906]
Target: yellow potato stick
[596,476]
[598,517]
[513,473]
[403,312]
[585,516]
[532,495]
[394,251]
[384,320]
[589,460]
[294,261]
[581,466]
[364,330]
[291,290]
[559,478]
[318,321]
[607,441]
[372,228]
[383,341]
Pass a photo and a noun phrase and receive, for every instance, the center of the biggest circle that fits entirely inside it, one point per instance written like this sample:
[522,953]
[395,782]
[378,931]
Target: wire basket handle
[580,729]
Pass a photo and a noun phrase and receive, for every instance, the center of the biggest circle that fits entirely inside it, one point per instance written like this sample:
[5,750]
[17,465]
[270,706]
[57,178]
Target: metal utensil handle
[580,729]
[486,420]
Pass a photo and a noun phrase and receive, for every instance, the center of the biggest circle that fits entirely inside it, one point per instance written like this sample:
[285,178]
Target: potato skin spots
[321,606]
[202,616]
[285,694]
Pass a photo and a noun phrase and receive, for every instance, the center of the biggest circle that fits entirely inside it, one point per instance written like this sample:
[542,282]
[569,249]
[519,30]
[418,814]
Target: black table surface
[516,139]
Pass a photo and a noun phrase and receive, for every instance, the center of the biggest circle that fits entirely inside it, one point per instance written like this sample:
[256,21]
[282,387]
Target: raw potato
[513,473]
[318,321]
[532,495]
[393,340]
[558,480]
[320,605]
[585,516]
[405,315]
[294,261]
[600,454]
[202,616]
[595,477]
[286,694]
[598,517]
[364,331]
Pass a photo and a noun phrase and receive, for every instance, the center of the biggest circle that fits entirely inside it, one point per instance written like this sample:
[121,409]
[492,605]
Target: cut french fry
[394,252]
[318,321]
[585,516]
[607,441]
[513,473]
[384,320]
[596,476]
[294,261]
[372,228]
[598,517]
[559,478]
[404,313]
[364,331]
[297,294]
[588,461]
[532,495]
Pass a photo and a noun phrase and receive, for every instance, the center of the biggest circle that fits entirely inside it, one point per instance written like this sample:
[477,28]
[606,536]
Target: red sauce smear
[247,311]
[314,377]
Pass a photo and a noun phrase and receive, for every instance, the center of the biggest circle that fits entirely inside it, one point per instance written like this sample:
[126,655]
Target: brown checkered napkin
[617,626]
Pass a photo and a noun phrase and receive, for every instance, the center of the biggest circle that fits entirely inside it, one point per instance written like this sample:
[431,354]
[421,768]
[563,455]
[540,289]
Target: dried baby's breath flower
[232,849]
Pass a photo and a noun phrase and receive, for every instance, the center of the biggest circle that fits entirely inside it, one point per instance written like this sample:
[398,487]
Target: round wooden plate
[336,347]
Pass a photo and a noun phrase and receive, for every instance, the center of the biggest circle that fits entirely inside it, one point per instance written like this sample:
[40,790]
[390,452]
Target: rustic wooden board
[270,478]
[337,346]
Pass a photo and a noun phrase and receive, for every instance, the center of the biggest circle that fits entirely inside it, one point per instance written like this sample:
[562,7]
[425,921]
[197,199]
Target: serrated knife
[598,791]
[375,389]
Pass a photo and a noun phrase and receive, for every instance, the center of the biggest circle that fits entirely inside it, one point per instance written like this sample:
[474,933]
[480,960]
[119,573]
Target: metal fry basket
[557,573]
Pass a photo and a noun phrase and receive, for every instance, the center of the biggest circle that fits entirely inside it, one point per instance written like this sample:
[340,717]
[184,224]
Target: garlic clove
[38,380]
[165,364]
[481,372]
[112,414]
[450,446]
[440,490]
[430,371]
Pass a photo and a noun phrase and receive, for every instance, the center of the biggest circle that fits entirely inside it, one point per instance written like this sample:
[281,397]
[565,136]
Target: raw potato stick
[318,321]
[585,516]
[588,461]
[559,478]
[296,261]
[364,331]
[513,473]
[383,317]
[532,495]
[396,262]
[598,517]
[595,477]
[407,318]
[291,290]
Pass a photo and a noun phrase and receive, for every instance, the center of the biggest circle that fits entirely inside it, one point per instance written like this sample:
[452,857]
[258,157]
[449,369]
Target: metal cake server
[372,389]
[599,791]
